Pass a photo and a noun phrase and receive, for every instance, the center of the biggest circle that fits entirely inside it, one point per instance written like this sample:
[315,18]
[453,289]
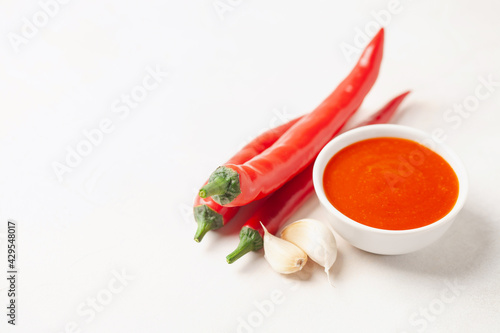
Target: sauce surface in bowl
[390,183]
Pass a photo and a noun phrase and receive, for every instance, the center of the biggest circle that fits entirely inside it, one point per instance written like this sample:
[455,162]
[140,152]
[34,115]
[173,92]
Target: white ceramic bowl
[382,241]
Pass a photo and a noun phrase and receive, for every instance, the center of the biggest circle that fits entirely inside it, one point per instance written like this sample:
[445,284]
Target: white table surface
[124,209]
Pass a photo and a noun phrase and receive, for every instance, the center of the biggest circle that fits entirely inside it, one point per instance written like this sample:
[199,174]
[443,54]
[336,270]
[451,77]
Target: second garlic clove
[315,239]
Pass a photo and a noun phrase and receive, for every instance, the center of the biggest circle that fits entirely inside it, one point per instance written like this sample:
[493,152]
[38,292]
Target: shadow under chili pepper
[251,262]
[234,226]
[230,231]
[459,252]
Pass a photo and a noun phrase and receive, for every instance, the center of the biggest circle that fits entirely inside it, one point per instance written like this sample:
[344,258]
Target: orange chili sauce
[390,183]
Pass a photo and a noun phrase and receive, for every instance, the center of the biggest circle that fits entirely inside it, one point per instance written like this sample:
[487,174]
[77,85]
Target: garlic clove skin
[315,239]
[283,256]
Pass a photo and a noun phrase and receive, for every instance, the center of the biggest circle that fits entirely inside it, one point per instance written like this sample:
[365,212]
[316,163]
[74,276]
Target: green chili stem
[217,186]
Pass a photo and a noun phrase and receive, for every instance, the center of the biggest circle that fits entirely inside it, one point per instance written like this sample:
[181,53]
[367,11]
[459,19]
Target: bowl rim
[419,136]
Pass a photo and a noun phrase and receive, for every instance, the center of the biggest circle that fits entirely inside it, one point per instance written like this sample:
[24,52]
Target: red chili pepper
[240,184]
[280,206]
[209,214]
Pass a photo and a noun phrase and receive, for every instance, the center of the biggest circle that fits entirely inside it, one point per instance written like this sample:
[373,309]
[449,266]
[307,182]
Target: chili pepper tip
[250,240]
[217,186]
[207,219]
[241,250]
[203,228]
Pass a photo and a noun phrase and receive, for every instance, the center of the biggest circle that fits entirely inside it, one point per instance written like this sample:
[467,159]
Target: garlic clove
[315,239]
[283,256]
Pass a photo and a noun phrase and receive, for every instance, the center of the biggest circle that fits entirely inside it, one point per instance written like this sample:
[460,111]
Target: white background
[125,208]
